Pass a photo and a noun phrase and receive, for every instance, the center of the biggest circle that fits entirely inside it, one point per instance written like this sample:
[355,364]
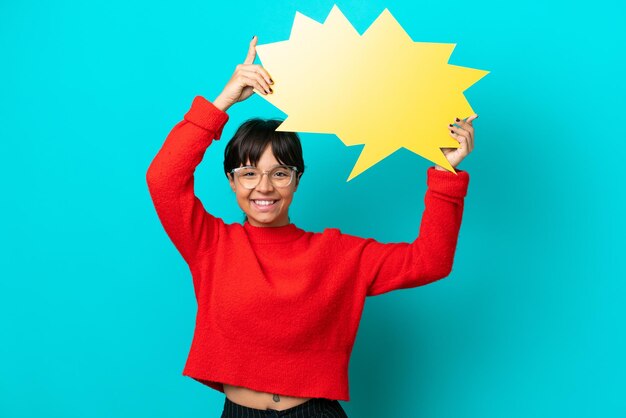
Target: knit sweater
[278,307]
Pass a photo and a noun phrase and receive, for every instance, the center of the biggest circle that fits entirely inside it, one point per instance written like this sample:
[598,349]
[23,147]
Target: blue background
[97,307]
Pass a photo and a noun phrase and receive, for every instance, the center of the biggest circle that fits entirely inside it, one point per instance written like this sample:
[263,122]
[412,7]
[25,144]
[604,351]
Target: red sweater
[279,307]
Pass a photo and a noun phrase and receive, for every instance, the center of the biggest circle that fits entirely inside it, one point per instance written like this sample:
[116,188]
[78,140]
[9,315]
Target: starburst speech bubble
[380,89]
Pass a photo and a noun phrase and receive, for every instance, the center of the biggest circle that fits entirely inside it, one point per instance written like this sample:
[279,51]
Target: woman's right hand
[245,79]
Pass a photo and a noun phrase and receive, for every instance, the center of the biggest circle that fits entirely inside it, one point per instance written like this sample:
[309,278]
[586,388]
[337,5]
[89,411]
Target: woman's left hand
[465,135]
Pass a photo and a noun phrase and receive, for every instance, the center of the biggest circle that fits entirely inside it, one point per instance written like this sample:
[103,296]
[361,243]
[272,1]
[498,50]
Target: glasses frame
[294,170]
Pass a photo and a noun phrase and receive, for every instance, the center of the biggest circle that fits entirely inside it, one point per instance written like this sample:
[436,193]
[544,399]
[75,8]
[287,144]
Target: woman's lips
[264,208]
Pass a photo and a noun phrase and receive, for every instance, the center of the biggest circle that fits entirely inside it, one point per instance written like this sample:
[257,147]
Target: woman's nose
[265,183]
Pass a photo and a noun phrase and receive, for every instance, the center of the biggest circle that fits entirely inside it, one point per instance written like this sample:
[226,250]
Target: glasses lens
[281,176]
[249,177]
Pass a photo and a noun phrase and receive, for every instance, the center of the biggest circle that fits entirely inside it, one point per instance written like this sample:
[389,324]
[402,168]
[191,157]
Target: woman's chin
[261,218]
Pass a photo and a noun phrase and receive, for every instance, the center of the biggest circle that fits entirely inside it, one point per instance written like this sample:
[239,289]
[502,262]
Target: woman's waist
[261,400]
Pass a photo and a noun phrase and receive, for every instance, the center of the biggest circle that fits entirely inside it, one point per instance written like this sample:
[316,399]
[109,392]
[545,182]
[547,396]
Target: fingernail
[271,91]
[452,131]
[253,36]
[458,120]
[271,81]
[450,124]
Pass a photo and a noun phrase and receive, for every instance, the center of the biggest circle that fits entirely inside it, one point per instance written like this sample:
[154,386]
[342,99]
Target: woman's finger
[265,74]
[256,68]
[471,118]
[460,131]
[462,124]
[467,124]
[259,78]
[464,148]
[254,83]
[251,51]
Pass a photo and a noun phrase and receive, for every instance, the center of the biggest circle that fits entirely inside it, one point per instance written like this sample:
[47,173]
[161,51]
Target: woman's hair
[251,139]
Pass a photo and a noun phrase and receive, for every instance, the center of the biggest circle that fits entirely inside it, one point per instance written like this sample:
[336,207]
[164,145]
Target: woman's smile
[264,205]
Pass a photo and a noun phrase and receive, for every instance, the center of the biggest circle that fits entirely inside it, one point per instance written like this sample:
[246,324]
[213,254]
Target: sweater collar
[272,234]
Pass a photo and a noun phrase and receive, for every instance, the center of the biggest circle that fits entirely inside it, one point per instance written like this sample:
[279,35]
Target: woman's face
[275,214]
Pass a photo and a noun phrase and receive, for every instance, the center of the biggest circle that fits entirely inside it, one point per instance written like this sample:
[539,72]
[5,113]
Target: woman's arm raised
[170,179]
[170,175]
[386,267]
[383,267]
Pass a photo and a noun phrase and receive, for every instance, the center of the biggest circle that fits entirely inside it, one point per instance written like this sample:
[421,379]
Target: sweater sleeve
[389,266]
[170,179]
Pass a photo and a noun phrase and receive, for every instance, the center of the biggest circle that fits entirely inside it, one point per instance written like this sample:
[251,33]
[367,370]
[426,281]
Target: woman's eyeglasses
[249,177]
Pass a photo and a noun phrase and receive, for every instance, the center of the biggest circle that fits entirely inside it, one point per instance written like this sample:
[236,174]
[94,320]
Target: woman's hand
[245,79]
[465,135]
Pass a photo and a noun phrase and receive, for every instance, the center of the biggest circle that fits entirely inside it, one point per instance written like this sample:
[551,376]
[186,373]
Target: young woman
[279,307]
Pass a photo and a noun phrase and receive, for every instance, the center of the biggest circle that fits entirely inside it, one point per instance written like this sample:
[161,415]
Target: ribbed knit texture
[279,307]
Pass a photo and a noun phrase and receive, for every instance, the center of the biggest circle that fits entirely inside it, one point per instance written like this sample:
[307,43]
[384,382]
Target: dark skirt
[313,408]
